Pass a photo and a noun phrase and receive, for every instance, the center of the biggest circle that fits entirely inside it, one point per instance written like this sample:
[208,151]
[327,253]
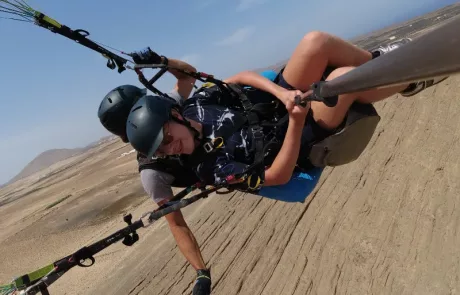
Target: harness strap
[80,36]
[26,280]
[257,138]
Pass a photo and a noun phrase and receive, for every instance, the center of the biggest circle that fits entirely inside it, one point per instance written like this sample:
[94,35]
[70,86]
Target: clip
[208,147]
[257,184]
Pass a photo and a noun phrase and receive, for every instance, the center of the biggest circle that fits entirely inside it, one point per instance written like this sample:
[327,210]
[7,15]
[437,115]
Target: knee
[317,38]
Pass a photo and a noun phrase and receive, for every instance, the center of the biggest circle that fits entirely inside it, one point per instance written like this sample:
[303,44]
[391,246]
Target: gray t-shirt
[157,184]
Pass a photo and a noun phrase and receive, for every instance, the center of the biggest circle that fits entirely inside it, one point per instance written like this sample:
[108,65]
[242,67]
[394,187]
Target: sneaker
[416,87]
[391,46]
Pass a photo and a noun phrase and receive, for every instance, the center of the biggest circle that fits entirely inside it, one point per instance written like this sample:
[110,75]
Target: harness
[184,176]
[256,117]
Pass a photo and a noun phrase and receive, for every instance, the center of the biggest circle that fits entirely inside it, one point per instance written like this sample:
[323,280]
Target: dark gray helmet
[115,106]
[144,127]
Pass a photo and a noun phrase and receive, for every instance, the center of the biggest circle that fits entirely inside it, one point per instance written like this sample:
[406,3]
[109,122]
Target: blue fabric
[296,190]
[269,74]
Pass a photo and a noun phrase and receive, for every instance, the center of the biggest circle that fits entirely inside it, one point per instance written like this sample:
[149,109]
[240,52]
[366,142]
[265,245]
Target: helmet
[144,127]
[114,108]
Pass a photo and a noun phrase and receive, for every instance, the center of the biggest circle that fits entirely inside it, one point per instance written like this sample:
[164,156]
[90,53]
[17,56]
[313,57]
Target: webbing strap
[80,37]
[25,280]
[257,138]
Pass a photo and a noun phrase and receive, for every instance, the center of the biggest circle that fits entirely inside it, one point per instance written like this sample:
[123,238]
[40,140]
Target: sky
[52,87]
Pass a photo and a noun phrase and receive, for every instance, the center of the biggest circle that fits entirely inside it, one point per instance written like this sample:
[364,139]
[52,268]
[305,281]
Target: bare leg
[330,118]
[315,52]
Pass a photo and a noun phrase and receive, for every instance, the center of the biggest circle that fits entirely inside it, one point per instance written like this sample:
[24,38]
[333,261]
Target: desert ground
[387,223]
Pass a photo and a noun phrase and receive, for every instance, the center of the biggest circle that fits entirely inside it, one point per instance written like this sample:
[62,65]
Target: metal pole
[434,54]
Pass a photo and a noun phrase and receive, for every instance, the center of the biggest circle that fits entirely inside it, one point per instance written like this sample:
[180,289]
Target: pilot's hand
[146,56]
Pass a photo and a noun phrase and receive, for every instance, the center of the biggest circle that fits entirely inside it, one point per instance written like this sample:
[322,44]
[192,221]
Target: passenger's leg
[332,117]
[315,52]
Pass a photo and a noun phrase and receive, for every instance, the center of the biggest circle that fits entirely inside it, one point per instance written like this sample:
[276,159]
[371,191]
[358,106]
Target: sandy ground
[385,224]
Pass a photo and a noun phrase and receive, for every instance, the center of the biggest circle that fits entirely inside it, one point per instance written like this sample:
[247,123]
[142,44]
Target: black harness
[184,176]
[257,116]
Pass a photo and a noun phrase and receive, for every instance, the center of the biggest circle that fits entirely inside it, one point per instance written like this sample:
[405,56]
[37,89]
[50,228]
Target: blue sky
[51,87]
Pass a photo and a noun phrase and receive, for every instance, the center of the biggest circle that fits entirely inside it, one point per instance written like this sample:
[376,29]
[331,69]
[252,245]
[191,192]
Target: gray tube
[434,54]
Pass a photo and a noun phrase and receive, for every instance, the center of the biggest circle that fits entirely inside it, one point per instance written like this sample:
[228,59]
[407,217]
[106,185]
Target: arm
[158,186]
[281,170]
[257,81]
[184,85]
[283,166]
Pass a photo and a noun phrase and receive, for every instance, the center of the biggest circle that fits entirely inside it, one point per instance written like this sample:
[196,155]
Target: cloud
[237,37]
[246,4]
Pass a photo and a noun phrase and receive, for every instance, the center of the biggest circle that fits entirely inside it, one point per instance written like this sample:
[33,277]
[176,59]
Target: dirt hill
[50,157]
[46,159]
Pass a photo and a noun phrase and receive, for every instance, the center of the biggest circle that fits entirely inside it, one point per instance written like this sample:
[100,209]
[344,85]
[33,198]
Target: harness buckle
[208,147]
[216,143]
